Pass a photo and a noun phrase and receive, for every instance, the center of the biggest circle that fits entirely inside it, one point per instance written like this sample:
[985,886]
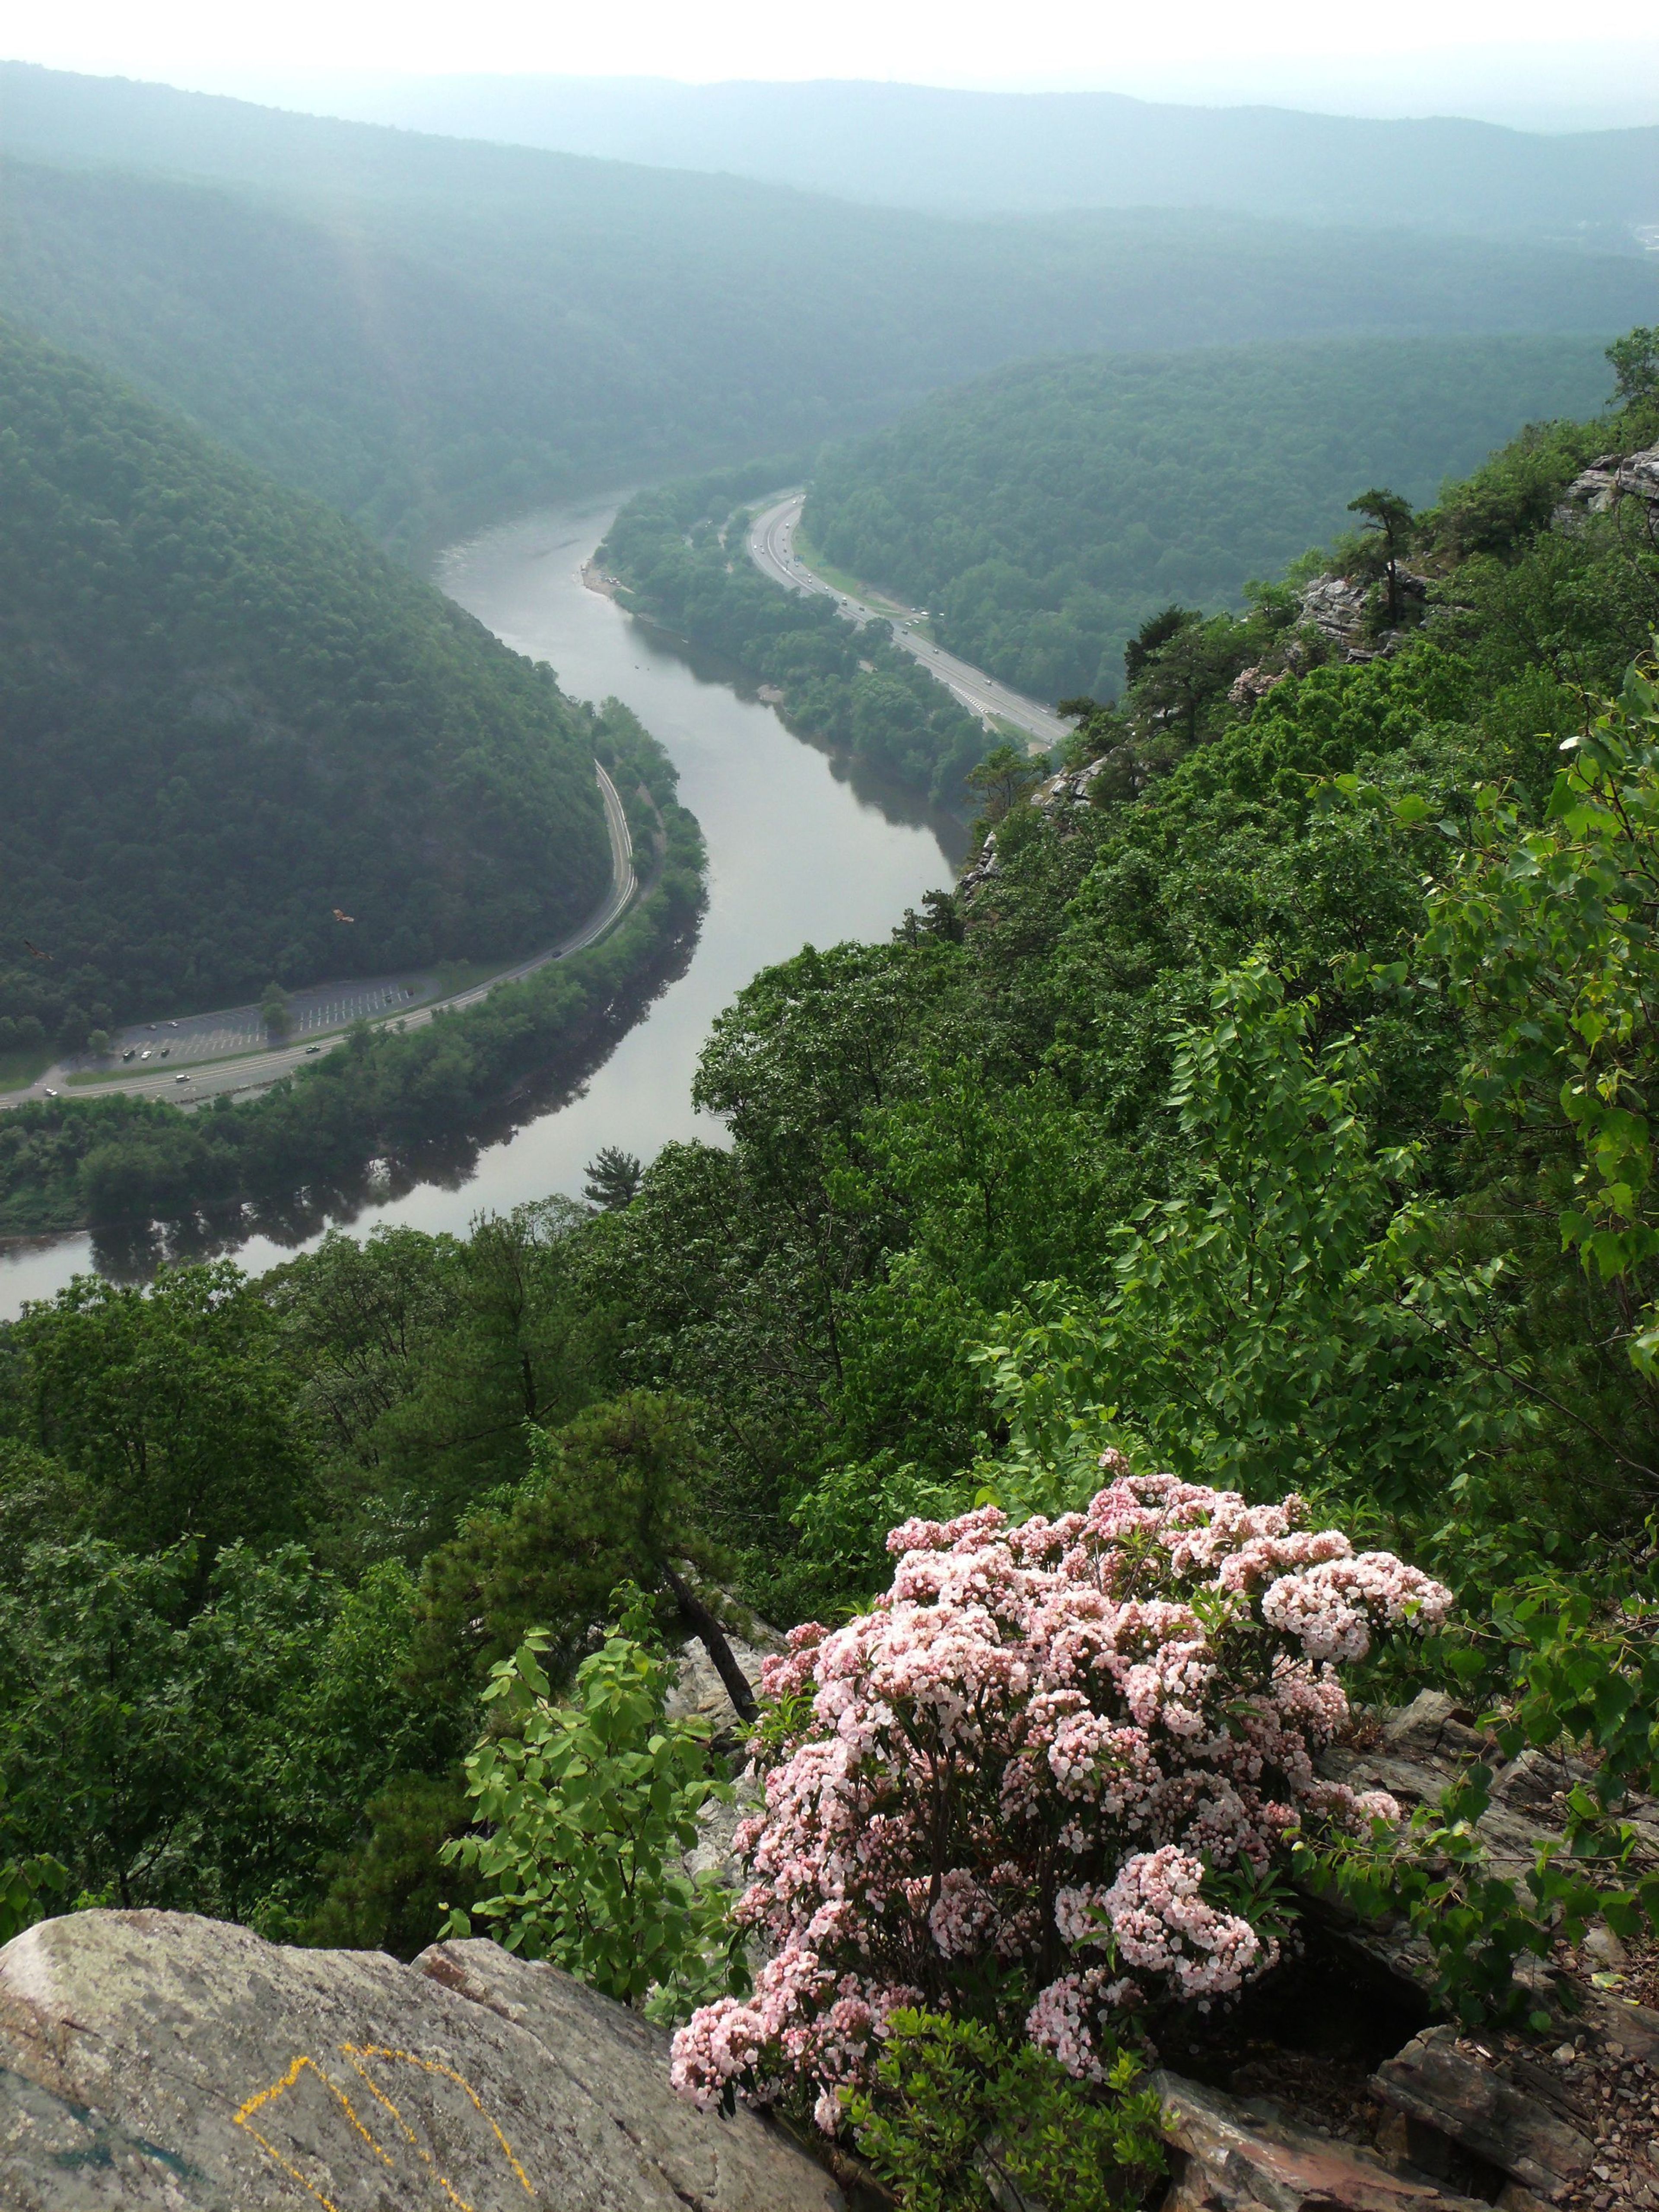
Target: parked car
[130,1051]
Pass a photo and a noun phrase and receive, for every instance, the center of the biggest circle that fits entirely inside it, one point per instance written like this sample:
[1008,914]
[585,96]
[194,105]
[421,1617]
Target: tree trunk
[703,1626]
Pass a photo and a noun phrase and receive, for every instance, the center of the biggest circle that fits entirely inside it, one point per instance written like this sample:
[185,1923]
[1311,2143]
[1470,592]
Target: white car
[181,1078]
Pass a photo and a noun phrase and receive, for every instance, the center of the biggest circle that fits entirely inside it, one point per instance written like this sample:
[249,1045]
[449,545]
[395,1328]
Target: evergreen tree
[1392,517]
[614,1177]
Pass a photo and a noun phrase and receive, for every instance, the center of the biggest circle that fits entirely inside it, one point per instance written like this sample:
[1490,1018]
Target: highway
[223,1052]
[772,550]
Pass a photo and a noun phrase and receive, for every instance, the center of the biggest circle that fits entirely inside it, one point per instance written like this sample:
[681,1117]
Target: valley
[798,849]
[830,1219]
[431,333]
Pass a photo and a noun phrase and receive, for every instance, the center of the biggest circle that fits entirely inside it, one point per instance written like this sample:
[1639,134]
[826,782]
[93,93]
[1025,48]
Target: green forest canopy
[428,332]
[1223,1125]
[226,715]
[1044,512]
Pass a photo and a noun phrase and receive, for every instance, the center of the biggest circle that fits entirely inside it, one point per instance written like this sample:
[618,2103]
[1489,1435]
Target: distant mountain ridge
[925,147]
[431,333]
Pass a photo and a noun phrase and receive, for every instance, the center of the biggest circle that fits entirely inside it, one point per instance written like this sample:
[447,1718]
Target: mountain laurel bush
[1047,1783]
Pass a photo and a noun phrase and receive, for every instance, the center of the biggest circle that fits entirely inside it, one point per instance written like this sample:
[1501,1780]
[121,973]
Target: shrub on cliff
[588,1809]
[1048,1783]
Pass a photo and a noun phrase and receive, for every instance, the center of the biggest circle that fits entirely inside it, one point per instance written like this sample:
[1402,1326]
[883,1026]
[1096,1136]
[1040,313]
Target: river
[799,851]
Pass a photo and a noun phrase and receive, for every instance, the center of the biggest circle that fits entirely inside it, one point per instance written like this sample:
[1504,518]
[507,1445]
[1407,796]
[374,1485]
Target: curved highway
[337,1007]
[772,550]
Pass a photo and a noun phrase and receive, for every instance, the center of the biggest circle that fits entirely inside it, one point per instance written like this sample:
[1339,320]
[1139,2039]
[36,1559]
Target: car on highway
[181,1078]
[310,1048]
[50,1093]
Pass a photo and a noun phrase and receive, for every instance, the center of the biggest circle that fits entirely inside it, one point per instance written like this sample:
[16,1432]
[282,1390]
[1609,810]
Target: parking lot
[328,1007]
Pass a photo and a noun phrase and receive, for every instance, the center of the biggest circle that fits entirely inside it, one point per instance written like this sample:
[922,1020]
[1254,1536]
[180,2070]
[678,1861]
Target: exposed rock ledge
[1611,479]
[156,2060]
[153,2059]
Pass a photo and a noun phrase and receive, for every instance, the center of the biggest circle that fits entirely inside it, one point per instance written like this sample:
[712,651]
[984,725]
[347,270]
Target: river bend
[799,851]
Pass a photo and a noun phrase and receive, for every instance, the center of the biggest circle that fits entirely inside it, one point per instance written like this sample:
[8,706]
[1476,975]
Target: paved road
[197,1045]
[772,550]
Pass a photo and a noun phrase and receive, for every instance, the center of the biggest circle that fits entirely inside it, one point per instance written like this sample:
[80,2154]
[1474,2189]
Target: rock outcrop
[1469,2093]
[1337,607]
[1251,685]
[1073,787]
[1238,2155]
[1572,2120]
[1610,479]
[1569,2120]
[1422,1746]
[1574,2126]
[984,869]
[699,1689]
[154,2059]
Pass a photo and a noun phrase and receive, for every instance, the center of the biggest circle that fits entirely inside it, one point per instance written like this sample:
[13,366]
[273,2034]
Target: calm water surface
[798,853]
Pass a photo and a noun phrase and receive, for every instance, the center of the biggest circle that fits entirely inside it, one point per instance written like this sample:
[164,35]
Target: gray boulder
[57,2156]
[154,2059]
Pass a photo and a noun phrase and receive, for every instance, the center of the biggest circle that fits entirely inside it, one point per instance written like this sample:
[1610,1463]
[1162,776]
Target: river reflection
[801,850]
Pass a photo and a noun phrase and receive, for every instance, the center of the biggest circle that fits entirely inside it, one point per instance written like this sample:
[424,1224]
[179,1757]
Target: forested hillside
[240,743]
[429,332]
[1218,1121]
[391,1104]
[1044,513]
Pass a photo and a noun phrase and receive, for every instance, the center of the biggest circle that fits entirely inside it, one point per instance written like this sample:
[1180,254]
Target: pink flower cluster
[1026,1767]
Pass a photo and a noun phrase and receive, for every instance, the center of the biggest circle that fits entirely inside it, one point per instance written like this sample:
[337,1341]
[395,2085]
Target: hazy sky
[1039,42]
